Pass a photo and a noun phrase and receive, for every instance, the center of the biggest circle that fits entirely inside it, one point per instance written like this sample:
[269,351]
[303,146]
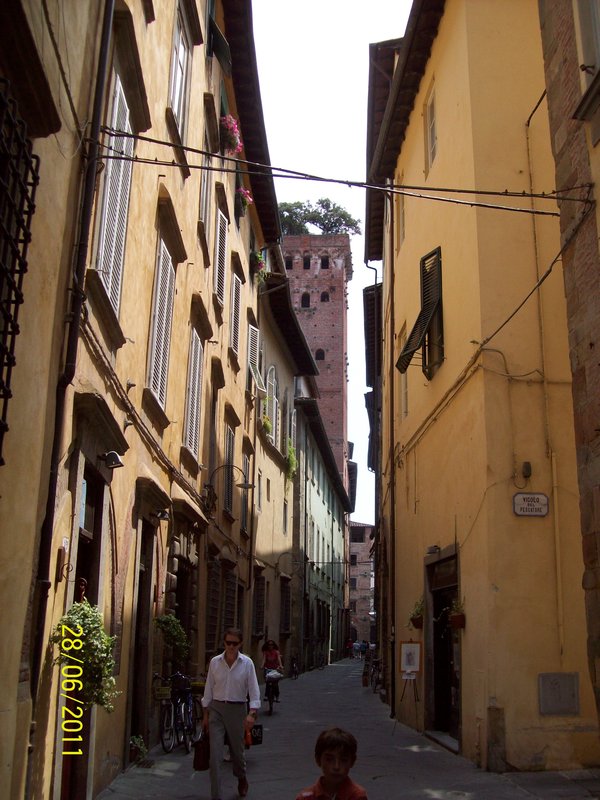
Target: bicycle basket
[273,675]
[162,692]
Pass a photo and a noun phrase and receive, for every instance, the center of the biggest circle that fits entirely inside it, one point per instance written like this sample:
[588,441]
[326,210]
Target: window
[273,403]
[285,517]
[180,70]
[229,460]
[285,620]
[353,559]
[258,606]
[259,491]
[430,131]
[306,262]
[244,514]
[220,256]
[589,39]
[254,360]
[305,301]
[234,313]
[357,535]
[320,355]
[293,428]
[289,262]
[162,314]
[352,583]
[400,216]
[428,331]
[353,606]
[324,297]
[115,200]
[194,390]
[87,568]
[205,181]
[324,262]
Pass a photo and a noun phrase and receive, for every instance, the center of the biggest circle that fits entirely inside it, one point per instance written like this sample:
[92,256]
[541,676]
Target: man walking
[230,681]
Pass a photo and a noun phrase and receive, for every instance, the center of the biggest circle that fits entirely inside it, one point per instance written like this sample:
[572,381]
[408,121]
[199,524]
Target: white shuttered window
[115,201]
[194,393]
[234,313]
[161,323]
[220,256]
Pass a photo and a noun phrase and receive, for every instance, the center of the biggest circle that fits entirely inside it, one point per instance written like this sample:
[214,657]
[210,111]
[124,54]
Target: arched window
[324,297]
[305,300]
[320,355]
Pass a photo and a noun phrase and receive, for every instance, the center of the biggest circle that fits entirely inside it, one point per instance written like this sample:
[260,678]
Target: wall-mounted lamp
[162,514]
[112,459]
[209,495]
[433,550]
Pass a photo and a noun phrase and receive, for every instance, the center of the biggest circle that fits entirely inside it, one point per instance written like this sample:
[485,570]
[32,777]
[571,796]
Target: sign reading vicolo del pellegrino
[532,504]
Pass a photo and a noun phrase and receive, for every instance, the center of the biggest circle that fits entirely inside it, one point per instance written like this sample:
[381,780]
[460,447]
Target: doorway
[140,687]
[444,712]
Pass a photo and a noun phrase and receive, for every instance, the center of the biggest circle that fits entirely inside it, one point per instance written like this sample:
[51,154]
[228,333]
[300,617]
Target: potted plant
[95,656]
[456,614]
[416,615]
[174,636]
[258,266]
[244,197]
[231,140]
[137,749]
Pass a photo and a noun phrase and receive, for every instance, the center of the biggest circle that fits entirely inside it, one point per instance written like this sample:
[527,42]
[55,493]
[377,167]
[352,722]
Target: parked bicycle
[294,672]
[375,673]
[180,712]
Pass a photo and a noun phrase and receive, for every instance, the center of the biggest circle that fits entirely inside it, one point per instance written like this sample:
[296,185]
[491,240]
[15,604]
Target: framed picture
[410,656]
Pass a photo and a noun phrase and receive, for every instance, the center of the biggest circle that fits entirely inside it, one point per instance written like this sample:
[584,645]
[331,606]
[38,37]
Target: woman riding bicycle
[271,660]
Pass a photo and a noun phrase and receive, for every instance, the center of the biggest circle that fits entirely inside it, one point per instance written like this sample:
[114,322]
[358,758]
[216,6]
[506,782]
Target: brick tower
[318,268]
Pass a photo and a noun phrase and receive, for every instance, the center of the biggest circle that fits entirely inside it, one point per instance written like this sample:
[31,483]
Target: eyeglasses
[229,643]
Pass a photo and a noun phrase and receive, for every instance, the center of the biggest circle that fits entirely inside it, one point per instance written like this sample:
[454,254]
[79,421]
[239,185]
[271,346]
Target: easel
[410,677]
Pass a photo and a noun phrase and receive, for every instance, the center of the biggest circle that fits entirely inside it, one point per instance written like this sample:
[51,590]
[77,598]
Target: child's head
[335,753]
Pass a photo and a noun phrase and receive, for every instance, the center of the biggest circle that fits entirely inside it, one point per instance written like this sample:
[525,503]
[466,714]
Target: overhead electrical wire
[253,168]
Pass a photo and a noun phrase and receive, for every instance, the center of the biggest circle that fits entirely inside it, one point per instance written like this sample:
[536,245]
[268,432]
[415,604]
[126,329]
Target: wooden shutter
[115,205]
[254,358]
[220,256]
[293,428]
[161,335]
[229,456]
[192,412]
[234,313]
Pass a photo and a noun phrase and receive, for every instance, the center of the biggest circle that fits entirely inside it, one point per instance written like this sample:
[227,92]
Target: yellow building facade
[478,500]
[132,450]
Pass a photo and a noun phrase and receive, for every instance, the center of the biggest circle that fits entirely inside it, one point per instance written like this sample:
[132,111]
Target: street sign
[530,504]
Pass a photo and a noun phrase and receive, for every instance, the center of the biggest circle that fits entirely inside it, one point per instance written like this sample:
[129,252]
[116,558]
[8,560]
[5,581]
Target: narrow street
[393,761]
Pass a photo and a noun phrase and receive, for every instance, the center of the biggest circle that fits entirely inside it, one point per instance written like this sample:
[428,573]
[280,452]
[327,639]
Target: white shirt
[231,683]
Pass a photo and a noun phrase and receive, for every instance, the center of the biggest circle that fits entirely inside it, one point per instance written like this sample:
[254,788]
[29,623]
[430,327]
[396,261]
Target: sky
[313,63]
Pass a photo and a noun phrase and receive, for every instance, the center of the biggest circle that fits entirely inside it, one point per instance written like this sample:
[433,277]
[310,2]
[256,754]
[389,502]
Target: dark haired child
[335,753]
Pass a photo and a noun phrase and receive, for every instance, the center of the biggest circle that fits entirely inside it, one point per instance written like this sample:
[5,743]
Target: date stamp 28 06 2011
[71,673]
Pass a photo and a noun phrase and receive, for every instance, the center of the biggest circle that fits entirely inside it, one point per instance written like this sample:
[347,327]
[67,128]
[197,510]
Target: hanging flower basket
[258,266]
[457,620]
[231,139]
[417,621]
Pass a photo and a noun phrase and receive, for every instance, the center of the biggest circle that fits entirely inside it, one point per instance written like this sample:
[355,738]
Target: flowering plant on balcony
[231,139]
[245,196]
[258,266]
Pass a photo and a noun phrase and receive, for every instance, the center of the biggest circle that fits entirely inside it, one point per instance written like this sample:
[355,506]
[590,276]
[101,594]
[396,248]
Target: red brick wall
[325,324]
[581,265]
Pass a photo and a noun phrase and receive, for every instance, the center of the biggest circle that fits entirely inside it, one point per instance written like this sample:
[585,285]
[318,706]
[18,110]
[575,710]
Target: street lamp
[209,495]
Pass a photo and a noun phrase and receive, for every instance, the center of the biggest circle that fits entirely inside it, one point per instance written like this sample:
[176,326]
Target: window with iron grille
[428,331]
[213,601]
[230,601]
[19,170]
[285,620]
[229,456]
[258,606]
[244,512]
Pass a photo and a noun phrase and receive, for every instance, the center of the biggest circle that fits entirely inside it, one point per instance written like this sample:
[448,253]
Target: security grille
[19,177]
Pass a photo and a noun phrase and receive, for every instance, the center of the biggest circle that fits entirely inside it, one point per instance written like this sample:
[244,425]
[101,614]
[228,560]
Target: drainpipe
[42,583]
[549,449]
[392,463]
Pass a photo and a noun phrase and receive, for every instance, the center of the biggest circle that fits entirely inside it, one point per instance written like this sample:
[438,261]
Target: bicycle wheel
[185,724]
[167,728]
[197,716]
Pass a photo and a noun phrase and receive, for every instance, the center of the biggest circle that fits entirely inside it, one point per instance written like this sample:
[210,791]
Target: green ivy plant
[292,461]
[95,654]
[174,636]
